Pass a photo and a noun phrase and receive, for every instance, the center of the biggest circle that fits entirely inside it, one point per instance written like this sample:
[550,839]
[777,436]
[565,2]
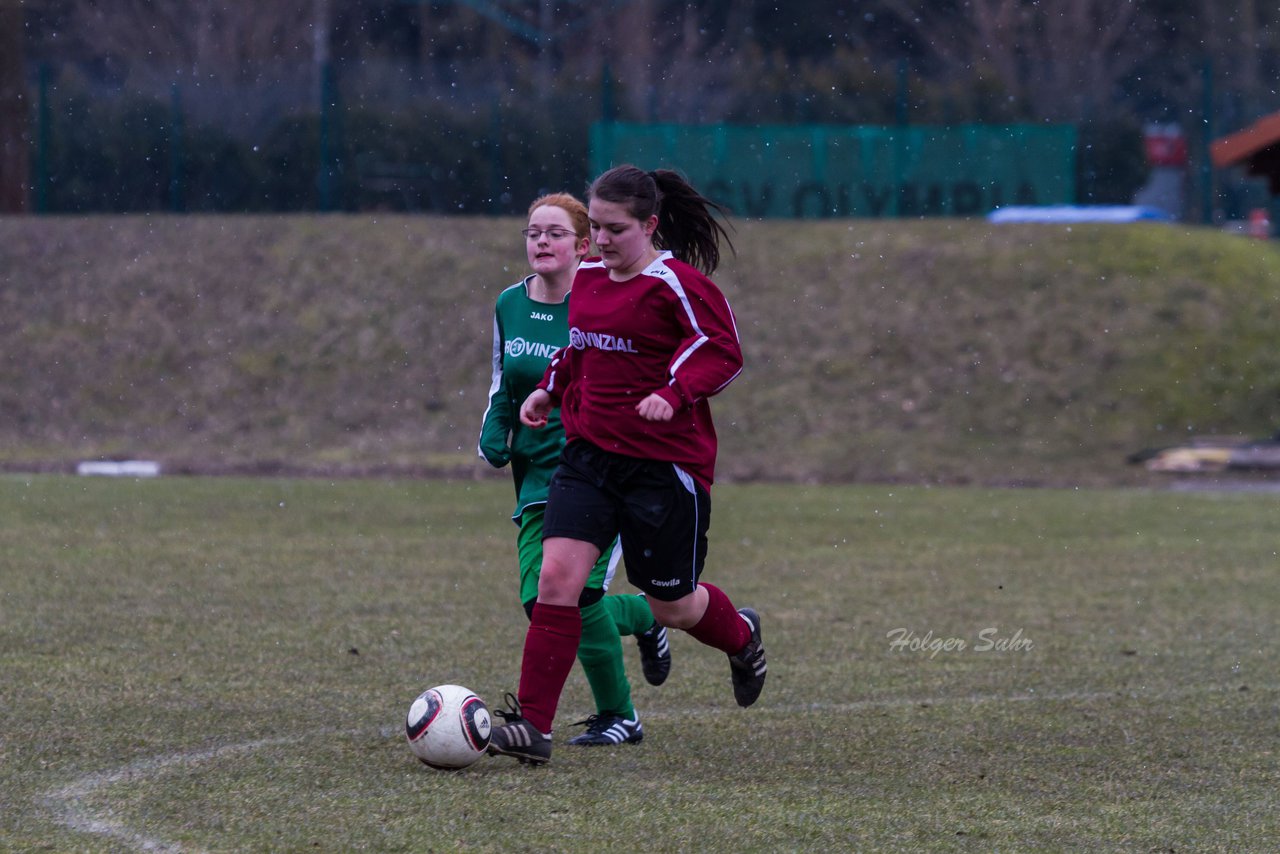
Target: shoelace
[597,724]
[511,714]
[651,637]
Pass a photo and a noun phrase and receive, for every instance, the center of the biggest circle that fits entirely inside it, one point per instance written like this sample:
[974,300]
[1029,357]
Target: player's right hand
[496,457]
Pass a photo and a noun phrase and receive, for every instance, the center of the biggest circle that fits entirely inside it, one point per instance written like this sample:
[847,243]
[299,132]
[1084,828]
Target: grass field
[224,664]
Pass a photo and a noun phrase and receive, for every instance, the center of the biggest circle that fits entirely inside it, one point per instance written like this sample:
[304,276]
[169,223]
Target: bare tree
[632,45]
[321,31]
[1060,58]
[1241,37]
[1088,46]
[670,68]
[698,80]
[199,37]
[14,109]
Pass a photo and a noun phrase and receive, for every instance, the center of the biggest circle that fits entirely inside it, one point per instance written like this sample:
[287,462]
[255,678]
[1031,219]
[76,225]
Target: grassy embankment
[931,351]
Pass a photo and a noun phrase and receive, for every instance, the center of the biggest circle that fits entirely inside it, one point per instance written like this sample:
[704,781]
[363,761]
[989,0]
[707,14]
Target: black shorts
[661,512]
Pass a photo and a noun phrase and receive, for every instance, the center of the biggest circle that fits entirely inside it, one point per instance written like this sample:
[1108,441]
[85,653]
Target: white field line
[65,802]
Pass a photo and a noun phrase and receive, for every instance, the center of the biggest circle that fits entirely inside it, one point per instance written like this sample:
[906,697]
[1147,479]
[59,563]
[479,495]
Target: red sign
[1165,146]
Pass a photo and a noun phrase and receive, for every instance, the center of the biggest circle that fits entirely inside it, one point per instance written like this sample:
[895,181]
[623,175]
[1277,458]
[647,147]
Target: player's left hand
[536,409]
[655,408]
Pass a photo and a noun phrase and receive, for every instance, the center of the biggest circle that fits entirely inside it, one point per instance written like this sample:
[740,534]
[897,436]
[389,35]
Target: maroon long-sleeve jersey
[667,330]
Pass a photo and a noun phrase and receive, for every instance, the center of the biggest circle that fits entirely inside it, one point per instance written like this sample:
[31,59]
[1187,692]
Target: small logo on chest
[539,315]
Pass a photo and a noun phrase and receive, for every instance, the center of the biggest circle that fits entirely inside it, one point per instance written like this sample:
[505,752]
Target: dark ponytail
[687,223]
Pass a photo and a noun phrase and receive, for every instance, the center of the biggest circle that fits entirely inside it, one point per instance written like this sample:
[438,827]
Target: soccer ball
[448,727]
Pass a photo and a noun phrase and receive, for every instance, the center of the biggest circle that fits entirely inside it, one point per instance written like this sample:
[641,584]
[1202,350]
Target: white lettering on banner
[518,347]
[580,340]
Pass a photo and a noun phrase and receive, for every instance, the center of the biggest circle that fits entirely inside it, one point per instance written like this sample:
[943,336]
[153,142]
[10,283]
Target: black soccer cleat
[519,738]
[655,653]
[609,729]
[748,667]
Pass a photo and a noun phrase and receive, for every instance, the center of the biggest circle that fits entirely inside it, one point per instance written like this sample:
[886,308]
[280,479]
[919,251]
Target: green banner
[860,171]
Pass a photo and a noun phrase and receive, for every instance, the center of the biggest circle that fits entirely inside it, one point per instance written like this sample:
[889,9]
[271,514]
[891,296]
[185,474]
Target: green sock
[630,612]
[600,652]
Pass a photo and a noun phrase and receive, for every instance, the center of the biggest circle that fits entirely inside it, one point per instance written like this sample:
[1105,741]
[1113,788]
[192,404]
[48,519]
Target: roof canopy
[1256,148]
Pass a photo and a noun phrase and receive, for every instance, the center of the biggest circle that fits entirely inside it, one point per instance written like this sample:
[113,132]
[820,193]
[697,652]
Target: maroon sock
[721,626]
[550,648]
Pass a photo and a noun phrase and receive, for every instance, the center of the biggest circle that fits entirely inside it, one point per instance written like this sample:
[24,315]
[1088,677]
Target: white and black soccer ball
[448,727]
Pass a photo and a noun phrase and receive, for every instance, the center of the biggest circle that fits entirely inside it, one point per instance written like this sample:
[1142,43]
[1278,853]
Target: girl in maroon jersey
[651,338]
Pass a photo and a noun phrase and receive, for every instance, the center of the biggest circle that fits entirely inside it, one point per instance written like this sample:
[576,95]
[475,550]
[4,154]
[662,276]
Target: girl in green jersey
[530,324]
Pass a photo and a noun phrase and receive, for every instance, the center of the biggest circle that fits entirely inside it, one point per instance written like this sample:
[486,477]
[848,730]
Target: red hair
[568,203]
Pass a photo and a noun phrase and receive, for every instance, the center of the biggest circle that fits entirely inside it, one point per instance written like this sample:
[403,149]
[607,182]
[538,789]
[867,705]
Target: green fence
[863,171]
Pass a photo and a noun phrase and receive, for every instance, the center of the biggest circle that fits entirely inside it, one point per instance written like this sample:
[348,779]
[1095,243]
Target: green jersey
[526,334]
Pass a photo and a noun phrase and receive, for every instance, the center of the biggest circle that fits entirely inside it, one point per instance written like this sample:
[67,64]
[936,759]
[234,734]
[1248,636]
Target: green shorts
[529,553]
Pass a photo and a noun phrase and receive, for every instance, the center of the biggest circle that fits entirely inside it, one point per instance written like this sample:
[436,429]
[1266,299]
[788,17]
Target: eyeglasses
[551,233]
